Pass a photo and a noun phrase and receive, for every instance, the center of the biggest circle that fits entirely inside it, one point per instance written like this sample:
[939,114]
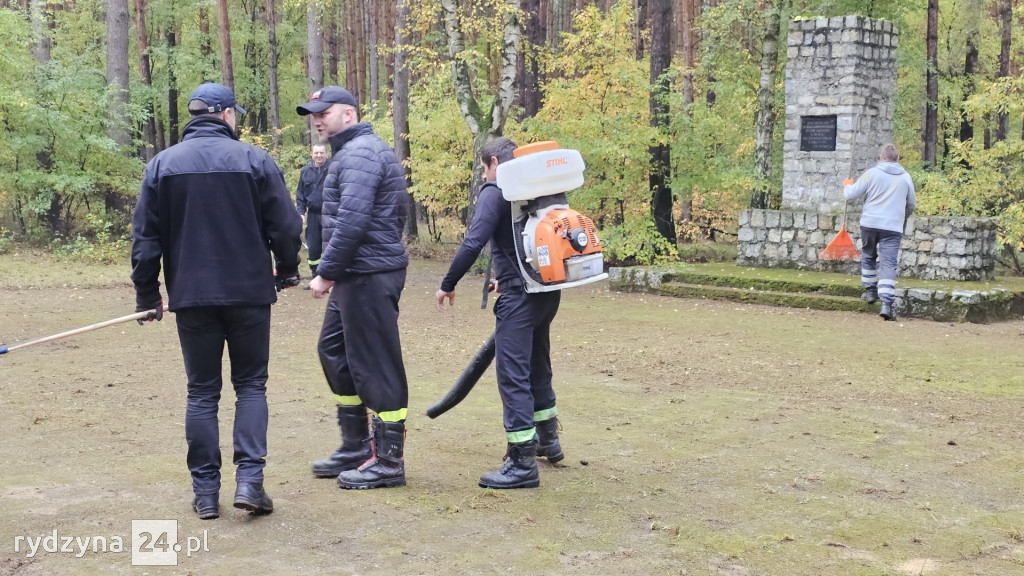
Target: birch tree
[486,119]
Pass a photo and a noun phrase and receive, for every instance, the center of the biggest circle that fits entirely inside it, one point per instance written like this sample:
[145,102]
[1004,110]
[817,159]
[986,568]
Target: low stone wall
[933,248]
[955,305]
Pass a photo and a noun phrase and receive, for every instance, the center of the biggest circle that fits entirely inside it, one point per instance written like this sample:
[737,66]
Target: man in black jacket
[521,336]
[309,200]
[363,269]
[213,209]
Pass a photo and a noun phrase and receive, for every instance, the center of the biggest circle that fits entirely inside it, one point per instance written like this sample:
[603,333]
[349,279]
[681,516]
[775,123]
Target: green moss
[770,298]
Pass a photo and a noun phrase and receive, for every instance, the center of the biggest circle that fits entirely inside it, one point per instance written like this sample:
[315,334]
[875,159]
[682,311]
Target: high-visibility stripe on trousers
[879,261]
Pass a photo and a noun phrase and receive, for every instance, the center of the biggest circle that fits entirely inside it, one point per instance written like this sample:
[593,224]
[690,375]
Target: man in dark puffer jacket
[213,209]
[363,269]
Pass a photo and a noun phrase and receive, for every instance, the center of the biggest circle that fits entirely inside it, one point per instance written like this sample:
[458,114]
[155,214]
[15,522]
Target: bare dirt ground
[702,438]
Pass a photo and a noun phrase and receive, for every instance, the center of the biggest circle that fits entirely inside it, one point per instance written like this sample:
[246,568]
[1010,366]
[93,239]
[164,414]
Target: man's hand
[441,295]
[848,182]
[320,287]
[155,312]
[282,281]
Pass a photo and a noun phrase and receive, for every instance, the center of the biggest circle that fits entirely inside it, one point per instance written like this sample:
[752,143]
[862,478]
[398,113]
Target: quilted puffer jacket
[365,206]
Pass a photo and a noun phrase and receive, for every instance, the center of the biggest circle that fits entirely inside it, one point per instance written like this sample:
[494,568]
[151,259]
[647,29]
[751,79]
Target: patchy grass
[702,438]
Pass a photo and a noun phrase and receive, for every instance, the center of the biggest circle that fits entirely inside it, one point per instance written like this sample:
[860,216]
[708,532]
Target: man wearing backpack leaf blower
[889,200]
[522,336]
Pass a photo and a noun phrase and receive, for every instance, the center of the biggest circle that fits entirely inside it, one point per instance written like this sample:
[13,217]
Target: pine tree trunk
[970,67]
[145,72]
[117,86]
[210,65]
[352,30]
[710,96]
[688,19]
[640,9]
[661,165]
[400,115]
[227,69]
[766,106]
[359,51]
[171,38]
[314,48]
[275,108]
[333,45]
[388,14]
[559,20]
[530,95]
[374,65]
[931,109]
[314,62]
[1005,21]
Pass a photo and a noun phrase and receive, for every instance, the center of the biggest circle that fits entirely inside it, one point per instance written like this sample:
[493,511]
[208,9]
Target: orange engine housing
[558,237]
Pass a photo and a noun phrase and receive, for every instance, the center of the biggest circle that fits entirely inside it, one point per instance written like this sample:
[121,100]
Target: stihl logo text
[557,162]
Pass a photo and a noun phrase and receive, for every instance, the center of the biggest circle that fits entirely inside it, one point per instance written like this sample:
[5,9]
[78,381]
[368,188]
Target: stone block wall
[933,248]
[843,67]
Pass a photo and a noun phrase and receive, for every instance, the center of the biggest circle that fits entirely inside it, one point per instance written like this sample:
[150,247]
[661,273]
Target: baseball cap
[324,98]
[217,97]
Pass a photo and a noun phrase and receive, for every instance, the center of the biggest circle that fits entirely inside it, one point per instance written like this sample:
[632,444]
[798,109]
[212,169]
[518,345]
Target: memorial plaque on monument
[818,133]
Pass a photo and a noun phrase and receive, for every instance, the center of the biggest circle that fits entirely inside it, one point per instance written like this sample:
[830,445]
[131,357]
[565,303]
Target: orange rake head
[840,248]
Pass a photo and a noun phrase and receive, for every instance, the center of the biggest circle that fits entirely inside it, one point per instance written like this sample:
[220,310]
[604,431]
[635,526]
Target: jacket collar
[341,138]
[205,126]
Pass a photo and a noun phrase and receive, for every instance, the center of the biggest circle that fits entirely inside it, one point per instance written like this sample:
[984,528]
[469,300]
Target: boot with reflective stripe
[518,471]
[355,443]
[386,466]
[548,445]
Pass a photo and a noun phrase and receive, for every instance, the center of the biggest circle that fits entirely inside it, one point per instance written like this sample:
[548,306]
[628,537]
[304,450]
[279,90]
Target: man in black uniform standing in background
[309,200]
[363,269]
[521,336]
[213,209]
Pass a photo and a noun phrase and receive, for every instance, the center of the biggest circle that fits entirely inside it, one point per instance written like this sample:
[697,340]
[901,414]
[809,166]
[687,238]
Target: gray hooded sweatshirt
[888,194]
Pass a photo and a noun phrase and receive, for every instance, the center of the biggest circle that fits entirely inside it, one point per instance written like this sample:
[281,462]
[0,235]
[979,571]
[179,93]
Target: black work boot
[386,466]
[886,312]
[548,445]
[518,471]
[355,443]
[250,496]
[206,506]
[870,295]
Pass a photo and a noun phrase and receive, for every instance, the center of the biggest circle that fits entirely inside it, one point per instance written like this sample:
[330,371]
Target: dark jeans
[523,354]
[203,332]
[879,261]
[360,349]
[314,240]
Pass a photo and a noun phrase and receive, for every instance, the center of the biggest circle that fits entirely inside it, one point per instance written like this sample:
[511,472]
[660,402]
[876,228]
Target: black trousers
[522,346]
[360,349]
[314,239]
[202,332]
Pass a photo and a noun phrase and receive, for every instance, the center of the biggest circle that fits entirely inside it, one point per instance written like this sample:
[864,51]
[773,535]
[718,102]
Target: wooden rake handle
[89,328]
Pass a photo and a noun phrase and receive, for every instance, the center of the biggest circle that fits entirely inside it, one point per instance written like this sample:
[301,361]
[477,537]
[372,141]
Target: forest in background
[676,105]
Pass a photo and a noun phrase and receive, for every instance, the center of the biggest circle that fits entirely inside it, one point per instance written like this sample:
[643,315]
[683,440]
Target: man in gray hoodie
[888,194]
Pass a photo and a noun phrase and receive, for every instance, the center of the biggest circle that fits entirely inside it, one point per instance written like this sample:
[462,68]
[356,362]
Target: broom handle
[853,151]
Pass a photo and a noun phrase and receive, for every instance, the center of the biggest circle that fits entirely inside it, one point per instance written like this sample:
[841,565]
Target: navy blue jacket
[365,206]
[310,193]
[213,209]
[492,221]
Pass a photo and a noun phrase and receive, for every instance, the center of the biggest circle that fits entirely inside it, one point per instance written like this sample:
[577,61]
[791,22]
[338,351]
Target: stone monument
[840,80]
